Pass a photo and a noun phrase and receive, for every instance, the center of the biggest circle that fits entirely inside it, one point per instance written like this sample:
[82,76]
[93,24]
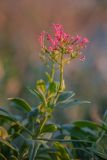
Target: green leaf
[43,157]
[34,113]
[5,112]
[105,116]
[53,86]
[99,154]
[7,144]
[2,157]
[6,115]
[41,86]
[48,76]
[87,124]
[84,134]
[14,157]
[100,144]
[65,96]
[61,151]
[38,94]
[9,117]
[49,128]
[6,118]
[3,133]
[82,129]
[92,125]
[22,103]
[70,103]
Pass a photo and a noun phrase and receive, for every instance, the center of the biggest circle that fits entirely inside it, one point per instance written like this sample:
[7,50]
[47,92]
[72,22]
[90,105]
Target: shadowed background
[20,66]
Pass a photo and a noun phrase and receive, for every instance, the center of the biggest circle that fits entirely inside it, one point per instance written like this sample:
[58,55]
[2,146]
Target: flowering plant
[61,49]
[32,135]
[62,43]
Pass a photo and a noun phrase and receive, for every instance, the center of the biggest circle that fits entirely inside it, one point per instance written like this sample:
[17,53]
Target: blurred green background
[20,24]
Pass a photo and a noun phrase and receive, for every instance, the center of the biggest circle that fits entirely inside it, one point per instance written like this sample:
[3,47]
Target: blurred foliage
[30,133]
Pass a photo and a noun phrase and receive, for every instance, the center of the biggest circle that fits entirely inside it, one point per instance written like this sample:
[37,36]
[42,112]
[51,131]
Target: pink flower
[58,30]
[78,38]
[49,38]
[70,49]
[54,42]
[41,39]
[82,58]
[85,40]
[63,42]
[50,48]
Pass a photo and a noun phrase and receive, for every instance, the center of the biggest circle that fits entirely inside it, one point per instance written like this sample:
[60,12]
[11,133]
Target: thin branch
[61,140]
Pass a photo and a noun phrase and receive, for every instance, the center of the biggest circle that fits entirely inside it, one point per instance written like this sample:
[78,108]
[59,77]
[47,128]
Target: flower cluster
[61,42]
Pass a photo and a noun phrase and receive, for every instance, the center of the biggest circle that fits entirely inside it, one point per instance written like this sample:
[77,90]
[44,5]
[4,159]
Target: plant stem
[53,71]
[44,120]
[63,140]
[61,74]
[61,84]
[36,145]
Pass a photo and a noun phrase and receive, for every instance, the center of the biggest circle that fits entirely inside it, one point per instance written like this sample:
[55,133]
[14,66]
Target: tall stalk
[35,145]
[61,81]
[61,74]
[53,71]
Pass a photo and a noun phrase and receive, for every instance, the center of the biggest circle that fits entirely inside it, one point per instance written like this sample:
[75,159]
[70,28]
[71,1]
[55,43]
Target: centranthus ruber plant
[61,43]
[32,135]
[60,48]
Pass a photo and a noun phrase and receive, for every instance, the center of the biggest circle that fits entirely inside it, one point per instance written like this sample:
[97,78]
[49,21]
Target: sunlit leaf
[61,151]
[22,103]
[49,128]
[53,86]
[3,133]
[41,86]
[14,157]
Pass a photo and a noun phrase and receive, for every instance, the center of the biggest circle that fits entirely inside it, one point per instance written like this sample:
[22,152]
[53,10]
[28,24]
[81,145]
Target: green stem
[53,71]
[44,120]
[63,140]
[24,128]
[61,79]
[61,74]
[36,145]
